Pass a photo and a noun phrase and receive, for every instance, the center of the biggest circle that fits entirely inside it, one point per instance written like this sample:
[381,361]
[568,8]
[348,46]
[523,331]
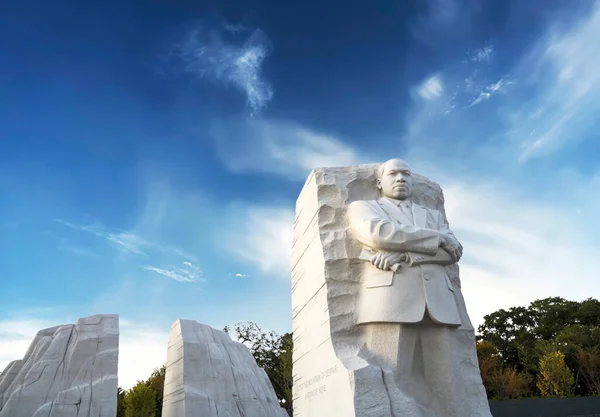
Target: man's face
[396,180]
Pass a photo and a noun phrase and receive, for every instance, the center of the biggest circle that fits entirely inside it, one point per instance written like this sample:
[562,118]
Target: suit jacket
[417,286]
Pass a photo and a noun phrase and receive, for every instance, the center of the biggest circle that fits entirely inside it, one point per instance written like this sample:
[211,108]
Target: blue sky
[151,153]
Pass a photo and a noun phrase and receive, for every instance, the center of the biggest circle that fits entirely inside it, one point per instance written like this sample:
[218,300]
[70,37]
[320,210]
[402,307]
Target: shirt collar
[401,203]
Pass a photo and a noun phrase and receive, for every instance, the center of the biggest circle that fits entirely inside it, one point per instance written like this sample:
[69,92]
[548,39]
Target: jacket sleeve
[376,232]
[443,225]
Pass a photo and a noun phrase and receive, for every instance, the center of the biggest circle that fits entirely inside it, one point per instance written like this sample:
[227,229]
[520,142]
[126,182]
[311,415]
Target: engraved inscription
[316,379]
[315,392]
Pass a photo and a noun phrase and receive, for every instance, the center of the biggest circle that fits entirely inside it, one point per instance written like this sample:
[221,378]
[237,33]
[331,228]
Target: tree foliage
[140,401]
[555,378]
[145,398]
[121,402]
[500,382]
[589,366]
[519,348]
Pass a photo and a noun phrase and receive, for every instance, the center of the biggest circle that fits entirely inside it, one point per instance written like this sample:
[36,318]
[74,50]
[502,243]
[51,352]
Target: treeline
[272,352]
[144,399]
[549,349]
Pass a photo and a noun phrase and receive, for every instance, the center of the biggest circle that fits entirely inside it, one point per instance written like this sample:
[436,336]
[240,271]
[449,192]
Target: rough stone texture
[209,375]
[331,375]
[68,371]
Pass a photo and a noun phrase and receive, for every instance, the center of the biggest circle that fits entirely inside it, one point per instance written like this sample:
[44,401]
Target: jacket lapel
[394,212]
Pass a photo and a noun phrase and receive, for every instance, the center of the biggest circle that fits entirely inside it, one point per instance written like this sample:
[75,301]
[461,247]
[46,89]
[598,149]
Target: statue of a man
[407,306]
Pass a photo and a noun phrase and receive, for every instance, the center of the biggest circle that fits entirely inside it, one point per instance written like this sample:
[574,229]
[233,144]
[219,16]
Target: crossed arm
[391,240]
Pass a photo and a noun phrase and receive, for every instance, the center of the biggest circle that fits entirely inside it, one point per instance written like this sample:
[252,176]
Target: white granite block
[209,375]
[68,371]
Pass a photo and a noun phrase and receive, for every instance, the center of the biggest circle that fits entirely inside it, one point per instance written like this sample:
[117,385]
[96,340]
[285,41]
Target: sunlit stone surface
[68,371]
[209,375]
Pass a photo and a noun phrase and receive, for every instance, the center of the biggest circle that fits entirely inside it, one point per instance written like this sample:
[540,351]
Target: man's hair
[381,169]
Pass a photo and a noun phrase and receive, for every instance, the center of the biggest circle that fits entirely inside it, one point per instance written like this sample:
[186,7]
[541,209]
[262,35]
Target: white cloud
[142,348]
[122,240]
[163,256]
[518,249]
[208,54]
[188,272]
[483,54]
[565,65]
[262,236]
[495,88]
[279,147]
[431,88]
[15,338]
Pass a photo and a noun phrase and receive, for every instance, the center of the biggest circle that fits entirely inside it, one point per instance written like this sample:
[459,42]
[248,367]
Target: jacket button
[426,277]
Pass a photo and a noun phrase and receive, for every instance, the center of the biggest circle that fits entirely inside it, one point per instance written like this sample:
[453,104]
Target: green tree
[273,353]
[551,315]
[588,313]
[121,394]
[140,401]
[508,383]
[156,383]
[524,335]
[589,366]
[489,365]
[280,373]
[511,331]
[500,382]
[555,378]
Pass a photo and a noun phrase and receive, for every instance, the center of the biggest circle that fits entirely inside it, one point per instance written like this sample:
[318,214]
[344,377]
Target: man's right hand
[451,245]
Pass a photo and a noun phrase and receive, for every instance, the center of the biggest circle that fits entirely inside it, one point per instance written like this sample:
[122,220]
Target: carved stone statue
[407,304]
[380,324]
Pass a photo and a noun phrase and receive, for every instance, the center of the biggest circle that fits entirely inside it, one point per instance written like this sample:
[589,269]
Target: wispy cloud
[131,243]
[262,235]
[232,55]
[498,87]
[484,54]
[120,239]
[187,272]
[565,63]
[431,88]
[279,147]
[128,241]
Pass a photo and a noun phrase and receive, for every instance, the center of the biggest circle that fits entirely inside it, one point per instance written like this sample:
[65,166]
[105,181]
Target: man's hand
[385,260]
[451,245]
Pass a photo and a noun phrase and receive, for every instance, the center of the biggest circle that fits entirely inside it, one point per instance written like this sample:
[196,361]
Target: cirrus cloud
[233,57]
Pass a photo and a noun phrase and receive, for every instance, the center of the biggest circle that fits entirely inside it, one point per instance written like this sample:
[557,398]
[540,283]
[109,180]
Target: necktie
[406,210]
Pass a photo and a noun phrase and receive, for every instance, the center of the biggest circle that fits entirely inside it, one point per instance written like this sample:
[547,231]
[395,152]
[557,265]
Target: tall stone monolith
[379,321]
